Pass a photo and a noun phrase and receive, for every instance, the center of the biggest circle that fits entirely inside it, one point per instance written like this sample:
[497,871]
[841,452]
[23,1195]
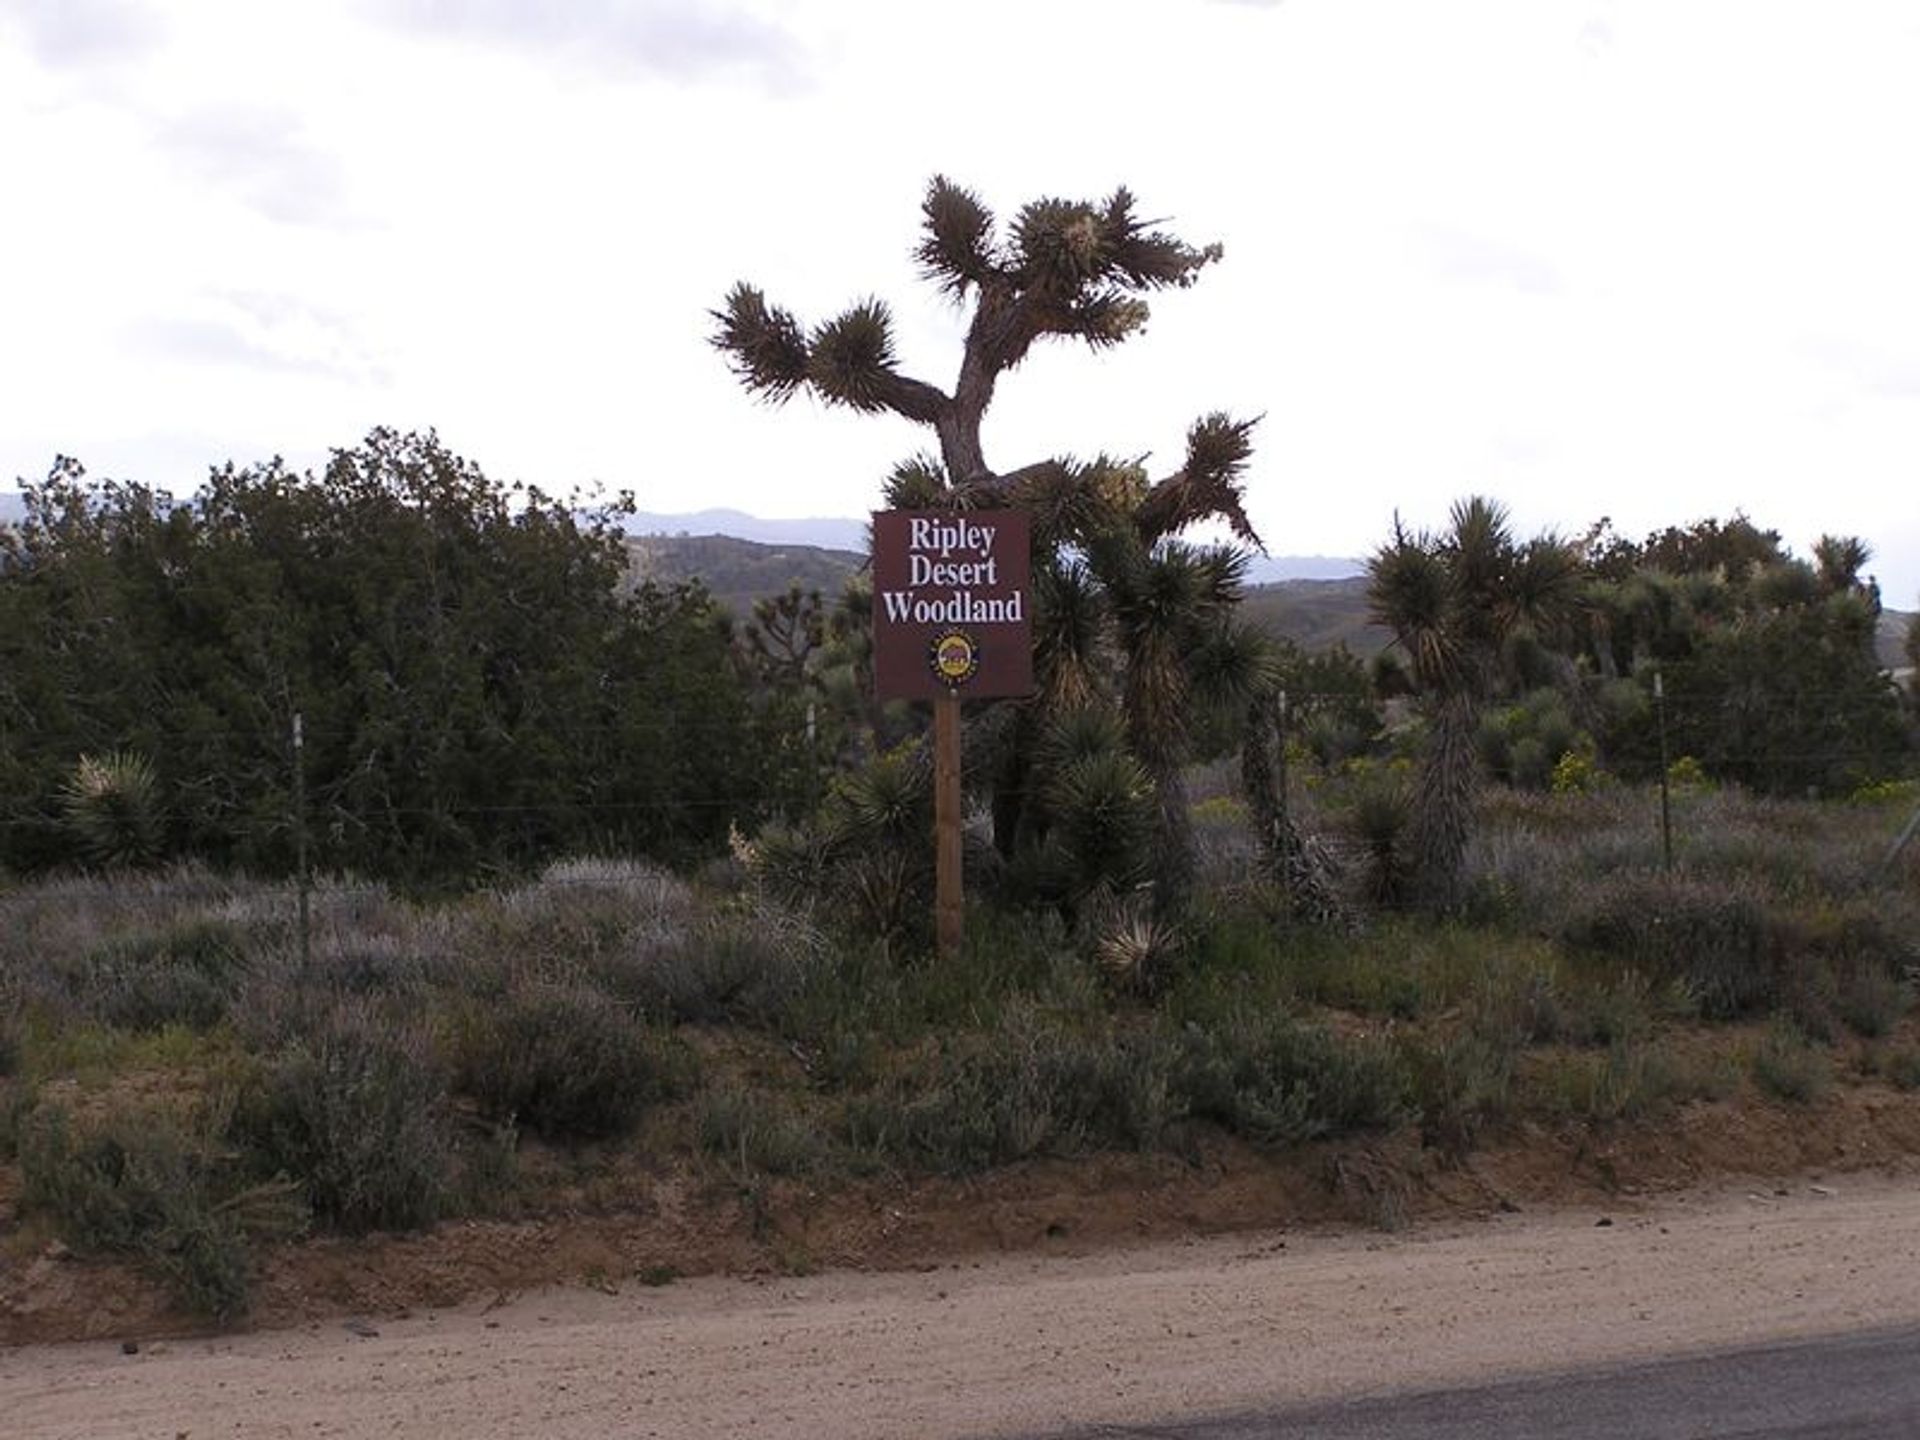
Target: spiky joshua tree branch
[1068,269]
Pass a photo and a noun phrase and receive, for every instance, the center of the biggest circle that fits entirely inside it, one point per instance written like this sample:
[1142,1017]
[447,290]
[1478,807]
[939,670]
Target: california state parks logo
[954,656]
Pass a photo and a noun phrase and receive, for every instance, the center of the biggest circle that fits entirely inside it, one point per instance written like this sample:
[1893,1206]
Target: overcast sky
[1653,260]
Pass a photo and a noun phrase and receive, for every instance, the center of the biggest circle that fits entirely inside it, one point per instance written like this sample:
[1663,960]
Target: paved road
[1850,1387]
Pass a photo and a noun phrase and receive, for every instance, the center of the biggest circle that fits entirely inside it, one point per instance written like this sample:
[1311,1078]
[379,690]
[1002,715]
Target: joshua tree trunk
[1442,803]
[1173,866]
[1297,863]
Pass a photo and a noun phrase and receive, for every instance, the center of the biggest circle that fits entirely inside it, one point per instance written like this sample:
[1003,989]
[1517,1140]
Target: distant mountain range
[826,533]
[1313,613]
[832,533]
[738,572]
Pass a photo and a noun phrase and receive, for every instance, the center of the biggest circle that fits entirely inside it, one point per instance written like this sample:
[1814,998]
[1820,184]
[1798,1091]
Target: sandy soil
[1010,1344]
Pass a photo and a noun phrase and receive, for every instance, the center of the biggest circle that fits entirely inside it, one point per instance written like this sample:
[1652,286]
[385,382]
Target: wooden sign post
[951,619]
[949,903]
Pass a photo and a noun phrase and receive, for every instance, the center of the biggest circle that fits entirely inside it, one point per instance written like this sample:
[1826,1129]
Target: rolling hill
[1316,601]
[738,572]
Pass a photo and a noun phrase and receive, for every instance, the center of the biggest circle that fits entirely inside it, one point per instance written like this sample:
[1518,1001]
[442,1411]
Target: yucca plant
[1104,817]
[1380,813]
[1454,602]
[1137,951]
[110,804]
[866,851]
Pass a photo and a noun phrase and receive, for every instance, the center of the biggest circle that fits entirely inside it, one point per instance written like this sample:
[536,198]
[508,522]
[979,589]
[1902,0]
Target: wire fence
[282,778]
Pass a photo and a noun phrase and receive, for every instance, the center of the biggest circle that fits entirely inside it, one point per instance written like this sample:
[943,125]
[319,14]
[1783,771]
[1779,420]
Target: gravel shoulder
[1011,1344]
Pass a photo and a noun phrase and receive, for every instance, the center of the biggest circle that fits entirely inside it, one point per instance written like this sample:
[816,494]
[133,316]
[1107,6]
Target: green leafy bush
[1524,743]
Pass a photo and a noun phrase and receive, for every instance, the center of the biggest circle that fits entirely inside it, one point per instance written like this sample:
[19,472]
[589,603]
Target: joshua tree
[1111,583]
[1071,269]
[1454,603]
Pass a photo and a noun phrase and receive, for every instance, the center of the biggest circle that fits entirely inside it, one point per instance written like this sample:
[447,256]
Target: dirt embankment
[1024,1343]
[682,1225]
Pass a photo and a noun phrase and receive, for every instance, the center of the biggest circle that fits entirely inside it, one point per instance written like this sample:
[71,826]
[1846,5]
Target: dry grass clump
[1788,1066]
[1277,1080]
[754,1133]
[1033,1085]
[153,1188]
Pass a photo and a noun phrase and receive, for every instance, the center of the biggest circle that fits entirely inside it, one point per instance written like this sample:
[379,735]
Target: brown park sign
[952,612]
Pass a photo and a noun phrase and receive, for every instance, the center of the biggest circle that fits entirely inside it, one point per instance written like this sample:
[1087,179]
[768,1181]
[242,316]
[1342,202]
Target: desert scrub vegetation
[158,1189]
[600,1022]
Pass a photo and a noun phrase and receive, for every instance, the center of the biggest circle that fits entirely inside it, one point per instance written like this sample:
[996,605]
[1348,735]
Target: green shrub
[357,1114]
[1576,773]
[1868,947]
[1871,1001]
[564,1061]
[1518,1006]
[139,1186]
[1620,1013]
[745,964]
[1718,938]
[577,912]
[1687,773]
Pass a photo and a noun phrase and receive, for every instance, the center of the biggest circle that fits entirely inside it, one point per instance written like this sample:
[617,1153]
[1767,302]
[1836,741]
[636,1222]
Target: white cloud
[679,39]
[1623,258]
[259,155]
[78,33]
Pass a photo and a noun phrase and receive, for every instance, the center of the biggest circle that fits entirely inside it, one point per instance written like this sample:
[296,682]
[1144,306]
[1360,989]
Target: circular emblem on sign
[954,655]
